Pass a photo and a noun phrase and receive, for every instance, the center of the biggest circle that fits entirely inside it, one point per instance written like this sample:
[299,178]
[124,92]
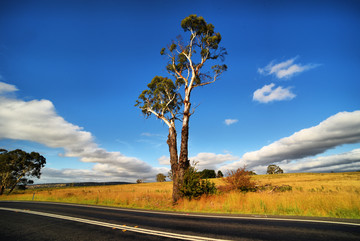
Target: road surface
[54,221]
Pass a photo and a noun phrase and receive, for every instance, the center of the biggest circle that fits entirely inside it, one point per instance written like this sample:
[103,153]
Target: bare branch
[206,83]
[193,110]
[167,122]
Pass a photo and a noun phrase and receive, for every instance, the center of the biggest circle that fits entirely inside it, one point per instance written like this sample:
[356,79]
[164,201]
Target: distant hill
[75,184]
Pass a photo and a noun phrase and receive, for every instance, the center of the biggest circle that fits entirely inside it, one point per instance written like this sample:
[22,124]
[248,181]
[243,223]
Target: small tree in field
[273,169]
[219,174]
[168,99]
[160,177]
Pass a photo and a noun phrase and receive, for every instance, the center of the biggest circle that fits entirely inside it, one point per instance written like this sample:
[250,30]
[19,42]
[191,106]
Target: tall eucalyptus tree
[169,98]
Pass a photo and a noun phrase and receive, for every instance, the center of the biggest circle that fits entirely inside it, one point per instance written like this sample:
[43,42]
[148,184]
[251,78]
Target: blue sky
[70,72]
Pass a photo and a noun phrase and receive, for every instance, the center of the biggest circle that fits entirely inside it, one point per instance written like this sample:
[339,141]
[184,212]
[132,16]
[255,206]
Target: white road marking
[114,226]
[212,216]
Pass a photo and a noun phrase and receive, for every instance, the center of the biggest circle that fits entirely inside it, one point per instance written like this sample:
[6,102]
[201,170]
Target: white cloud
[285,69]
[101,173]
[267,94]
[211,160]
[349,161]
[343,162]
[204,160]
[38,121]
[150,134]
[230,121]
[4,87]
[342,128]
[232,166]
[164,160]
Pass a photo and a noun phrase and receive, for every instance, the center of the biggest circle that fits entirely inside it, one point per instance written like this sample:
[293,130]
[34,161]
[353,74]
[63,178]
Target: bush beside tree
[194,187]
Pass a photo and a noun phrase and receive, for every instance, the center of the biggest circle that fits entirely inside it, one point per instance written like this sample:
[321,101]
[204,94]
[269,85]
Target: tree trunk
[18,180]
[172,143]
[184,162]
[12,188]
[2,190]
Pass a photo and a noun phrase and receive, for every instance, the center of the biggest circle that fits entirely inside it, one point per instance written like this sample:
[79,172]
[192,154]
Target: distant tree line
[204,174]
[209,173]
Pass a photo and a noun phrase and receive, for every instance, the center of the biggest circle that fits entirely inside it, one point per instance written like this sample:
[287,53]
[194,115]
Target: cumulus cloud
[204,160]
[164,160]
[339,129]
[285,69]
[51,175]
[268,94]
[348,161]
[211,160]
[37,121]
[230,121]
[4,87]
[343,162]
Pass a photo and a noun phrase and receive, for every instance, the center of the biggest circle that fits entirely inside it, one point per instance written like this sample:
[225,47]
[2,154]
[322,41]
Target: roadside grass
[313,194]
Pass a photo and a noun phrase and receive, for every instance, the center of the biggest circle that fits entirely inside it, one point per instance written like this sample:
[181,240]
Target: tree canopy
[18,166]
[186,64]
[274,169]
[160,177]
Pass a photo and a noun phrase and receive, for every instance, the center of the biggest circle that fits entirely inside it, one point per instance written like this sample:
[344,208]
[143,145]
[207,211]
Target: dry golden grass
[313,194]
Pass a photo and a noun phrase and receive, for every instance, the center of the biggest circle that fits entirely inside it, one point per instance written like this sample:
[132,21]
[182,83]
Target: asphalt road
[53,221]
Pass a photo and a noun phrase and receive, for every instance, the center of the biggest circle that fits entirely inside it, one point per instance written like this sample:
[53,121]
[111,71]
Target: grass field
[313,194]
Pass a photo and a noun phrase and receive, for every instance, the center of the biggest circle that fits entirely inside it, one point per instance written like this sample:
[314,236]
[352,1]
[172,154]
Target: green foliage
[172,47]
[219,174]
[273,169]
[162,51]
[284,188]
[161,97]
[139,181]
[239,180]
[160,177]
[270,188]
[203,45]
[206,173]
[16,167]
[185,61]
[194,187]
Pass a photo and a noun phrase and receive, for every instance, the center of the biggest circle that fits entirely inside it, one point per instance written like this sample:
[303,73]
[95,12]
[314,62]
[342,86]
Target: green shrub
[194,187]
[284,188]
[206,173]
